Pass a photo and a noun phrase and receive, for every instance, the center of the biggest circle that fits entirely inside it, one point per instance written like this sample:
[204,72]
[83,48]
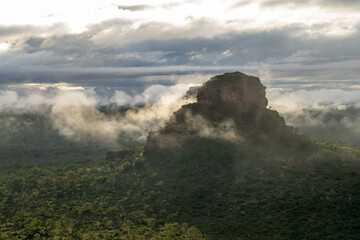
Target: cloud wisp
[313,37]
[332,114]
[290,100]
[113,117]
[77,114]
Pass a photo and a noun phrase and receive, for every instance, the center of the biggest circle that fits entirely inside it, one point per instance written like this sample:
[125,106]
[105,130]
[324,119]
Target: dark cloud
[35,42]
[349,4]
[13,30]
[134,7]
[85,58]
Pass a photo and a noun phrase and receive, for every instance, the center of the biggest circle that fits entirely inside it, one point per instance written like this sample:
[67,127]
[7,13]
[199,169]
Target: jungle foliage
[210,189]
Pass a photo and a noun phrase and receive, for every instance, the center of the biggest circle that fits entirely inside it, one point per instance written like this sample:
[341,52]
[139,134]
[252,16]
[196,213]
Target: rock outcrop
[234,88]
[231,106]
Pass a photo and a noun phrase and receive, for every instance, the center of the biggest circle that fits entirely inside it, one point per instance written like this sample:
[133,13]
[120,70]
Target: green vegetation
[309,190]
[29,140]
[210,189]
[97,200]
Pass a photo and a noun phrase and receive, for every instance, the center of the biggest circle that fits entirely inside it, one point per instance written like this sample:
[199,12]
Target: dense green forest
[92,200]
[211,189]
[28,140]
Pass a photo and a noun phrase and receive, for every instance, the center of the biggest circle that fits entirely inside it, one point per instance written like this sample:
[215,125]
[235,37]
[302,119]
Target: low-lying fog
[112,117]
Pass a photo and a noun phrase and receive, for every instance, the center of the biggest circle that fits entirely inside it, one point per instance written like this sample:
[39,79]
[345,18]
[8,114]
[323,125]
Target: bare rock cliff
[234,88]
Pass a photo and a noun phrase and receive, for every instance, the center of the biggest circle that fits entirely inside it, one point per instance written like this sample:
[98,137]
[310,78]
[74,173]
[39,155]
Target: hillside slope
[231,167]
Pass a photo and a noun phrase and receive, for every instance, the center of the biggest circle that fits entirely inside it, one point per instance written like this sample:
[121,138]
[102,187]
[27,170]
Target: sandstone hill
[231,106]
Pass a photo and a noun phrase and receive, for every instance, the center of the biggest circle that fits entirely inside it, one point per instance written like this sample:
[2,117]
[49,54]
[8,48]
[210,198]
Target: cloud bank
[98,115]
[288,100]
[332,114]
[77,114]
[121,45]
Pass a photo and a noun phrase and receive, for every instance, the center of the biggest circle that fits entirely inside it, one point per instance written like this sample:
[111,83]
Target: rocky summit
[231,106]
[234,88]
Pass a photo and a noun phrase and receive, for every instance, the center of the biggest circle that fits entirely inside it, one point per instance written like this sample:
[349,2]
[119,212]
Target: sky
[67,58]
[131,45]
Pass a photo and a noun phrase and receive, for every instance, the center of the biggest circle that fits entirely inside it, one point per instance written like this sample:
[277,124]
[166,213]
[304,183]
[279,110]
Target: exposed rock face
[231,106]
[192,92]
[235,88]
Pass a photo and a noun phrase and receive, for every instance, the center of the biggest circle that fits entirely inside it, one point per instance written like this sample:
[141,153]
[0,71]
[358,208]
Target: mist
[225,130]
[332,114]
[114,117]
[78,114]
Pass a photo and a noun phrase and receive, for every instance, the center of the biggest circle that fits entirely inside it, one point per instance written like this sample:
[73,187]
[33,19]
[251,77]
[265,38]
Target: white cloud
[154,94]
[227,53]
[285,100]
[8,98]
[4,47]
[253,16]
[121,98]
[74,113]
[77,14]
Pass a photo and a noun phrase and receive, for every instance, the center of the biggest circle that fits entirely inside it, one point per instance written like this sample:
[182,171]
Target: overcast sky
[130,44]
